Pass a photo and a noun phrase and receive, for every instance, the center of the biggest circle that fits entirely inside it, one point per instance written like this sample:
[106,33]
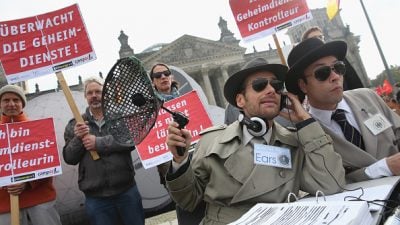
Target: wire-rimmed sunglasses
[260,84]
[323,72]
[159,74]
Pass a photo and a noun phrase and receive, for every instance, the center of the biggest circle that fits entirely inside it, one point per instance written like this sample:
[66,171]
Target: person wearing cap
[36,198]
[365,131]
[167,89]
[234,167]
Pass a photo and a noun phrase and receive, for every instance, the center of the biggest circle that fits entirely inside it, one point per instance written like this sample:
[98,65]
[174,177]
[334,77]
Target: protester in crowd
[112,196]
[167,88]
[392,103]
[224,171]
[367,132]
[351,79]
[36,198]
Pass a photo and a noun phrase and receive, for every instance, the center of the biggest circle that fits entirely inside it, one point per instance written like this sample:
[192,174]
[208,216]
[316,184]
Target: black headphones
[255,125]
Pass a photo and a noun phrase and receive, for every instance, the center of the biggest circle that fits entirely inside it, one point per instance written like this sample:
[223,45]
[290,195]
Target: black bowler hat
[235,83]
[306,53]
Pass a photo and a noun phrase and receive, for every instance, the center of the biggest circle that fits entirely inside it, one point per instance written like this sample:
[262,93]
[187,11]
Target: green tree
[395,70]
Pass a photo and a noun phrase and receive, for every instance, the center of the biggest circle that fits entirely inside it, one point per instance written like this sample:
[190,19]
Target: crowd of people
[331,143]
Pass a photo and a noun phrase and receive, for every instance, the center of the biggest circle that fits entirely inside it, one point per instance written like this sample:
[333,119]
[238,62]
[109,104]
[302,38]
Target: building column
[207,85]
[224,70]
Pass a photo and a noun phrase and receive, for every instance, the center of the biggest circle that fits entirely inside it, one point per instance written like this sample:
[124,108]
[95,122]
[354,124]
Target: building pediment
[193,50]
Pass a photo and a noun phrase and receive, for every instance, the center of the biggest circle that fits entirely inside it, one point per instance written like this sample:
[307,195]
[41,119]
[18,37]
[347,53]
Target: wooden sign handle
[14,203]
[72,105]
[279,49]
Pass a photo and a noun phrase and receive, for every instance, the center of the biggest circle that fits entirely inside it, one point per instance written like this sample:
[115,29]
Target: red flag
[379,90]
[387,87]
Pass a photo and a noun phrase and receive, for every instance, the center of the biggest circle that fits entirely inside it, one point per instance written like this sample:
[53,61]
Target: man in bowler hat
[227,170]
[365,131]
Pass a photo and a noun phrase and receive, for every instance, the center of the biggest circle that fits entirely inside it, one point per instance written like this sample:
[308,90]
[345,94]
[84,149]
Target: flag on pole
[387,87]
[332,8]
[379,90]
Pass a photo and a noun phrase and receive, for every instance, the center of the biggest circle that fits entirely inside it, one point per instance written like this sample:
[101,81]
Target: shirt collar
[247,136]
[324,116]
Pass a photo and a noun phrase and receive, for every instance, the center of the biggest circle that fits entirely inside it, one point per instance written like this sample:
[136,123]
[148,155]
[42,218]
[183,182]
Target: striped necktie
[350,133]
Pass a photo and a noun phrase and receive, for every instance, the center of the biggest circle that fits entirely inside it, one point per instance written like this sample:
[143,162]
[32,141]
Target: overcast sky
[148,22]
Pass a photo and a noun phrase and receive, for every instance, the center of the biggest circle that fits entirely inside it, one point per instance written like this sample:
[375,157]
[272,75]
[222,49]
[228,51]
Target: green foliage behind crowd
[395,70]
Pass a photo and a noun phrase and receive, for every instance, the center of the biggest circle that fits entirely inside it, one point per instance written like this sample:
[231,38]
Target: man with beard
[236,166]
[108,183]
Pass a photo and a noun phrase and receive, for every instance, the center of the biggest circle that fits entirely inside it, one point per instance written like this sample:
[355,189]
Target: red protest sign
[260,18]
[153,150]
[44,44]
[28,151]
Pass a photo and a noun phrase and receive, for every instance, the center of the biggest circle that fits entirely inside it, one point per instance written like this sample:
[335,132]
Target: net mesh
[129,121]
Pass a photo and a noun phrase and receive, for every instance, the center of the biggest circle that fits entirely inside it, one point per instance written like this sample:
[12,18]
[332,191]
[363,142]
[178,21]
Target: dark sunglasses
[159,74]
[324,72]
[259,84]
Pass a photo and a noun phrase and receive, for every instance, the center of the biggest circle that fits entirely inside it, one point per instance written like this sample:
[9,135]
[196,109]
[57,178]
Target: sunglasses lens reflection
[159,74]
[324,72]
[260,84]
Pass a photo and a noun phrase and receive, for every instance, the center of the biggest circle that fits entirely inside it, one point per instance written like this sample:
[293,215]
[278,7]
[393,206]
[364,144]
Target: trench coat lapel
[261,179]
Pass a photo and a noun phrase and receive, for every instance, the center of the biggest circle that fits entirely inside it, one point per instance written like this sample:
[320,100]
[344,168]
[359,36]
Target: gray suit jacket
[364,103]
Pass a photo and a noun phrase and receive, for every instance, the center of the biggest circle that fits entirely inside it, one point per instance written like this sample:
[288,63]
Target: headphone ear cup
[262,124]
[255,125]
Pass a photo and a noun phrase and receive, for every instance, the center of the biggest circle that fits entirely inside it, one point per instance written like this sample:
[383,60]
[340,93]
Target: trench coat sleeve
[322,168]
[186,190]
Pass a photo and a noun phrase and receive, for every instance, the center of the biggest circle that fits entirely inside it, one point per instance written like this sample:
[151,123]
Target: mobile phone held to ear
[284,100]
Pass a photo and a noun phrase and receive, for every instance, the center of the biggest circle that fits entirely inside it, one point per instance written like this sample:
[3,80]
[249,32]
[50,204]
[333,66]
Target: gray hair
[91,80]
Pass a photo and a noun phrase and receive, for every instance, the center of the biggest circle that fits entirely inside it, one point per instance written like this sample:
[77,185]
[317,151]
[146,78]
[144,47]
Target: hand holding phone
[295,113]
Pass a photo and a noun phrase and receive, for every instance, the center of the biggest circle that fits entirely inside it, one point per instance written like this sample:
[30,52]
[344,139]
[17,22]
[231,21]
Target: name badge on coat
[272,156]
[377,124]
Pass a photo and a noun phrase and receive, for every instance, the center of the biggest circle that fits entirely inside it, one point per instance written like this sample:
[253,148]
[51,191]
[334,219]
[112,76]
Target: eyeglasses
[159,74]
[259,84]
[323,72]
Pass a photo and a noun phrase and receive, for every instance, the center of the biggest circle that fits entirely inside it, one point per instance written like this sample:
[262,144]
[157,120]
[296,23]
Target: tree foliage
[395,71]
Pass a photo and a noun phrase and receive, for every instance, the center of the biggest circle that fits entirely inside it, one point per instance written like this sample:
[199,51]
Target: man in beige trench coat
[236,166]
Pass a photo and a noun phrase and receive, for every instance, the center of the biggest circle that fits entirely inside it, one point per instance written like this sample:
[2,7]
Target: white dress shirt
[376,170]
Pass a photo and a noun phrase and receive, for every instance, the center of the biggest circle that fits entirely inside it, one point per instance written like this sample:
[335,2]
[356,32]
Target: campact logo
[45,173]
[84,59]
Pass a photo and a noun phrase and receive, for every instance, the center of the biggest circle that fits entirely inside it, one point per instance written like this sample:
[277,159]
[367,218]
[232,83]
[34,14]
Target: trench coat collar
[251,176]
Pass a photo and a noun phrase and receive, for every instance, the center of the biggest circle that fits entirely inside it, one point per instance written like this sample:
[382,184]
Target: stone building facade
[210,62]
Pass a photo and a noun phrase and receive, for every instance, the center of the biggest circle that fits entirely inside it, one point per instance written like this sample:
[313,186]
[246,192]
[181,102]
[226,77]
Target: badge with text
[377,124]
[272,156]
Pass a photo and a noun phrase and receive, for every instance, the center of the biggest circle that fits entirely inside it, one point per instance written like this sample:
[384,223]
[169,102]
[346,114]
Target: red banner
[260,18]
[28,151]
[44,44]
[153,150]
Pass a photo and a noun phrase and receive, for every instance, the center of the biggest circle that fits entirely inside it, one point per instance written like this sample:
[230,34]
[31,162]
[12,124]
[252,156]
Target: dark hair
[152,69]
[174,83]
